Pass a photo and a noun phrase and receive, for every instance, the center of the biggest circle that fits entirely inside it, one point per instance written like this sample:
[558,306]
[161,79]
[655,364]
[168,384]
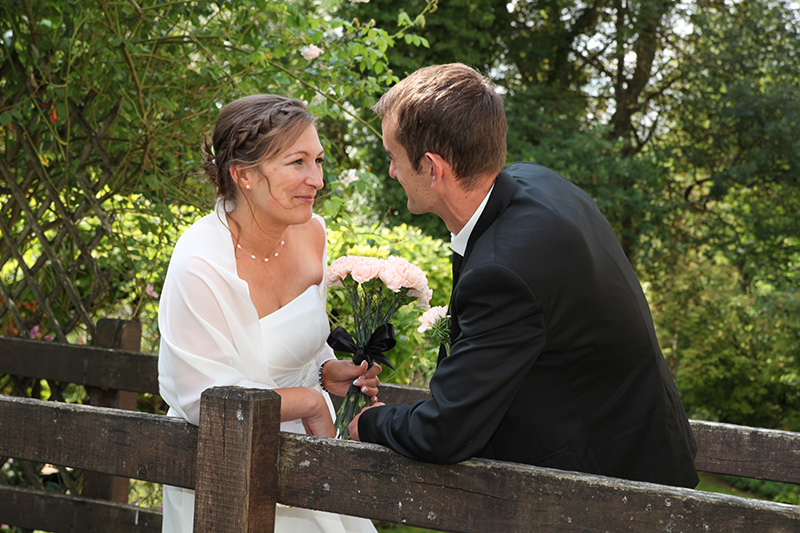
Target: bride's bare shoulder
[312,233]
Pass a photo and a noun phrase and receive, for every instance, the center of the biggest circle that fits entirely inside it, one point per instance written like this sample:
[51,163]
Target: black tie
[457,259]
[456,267]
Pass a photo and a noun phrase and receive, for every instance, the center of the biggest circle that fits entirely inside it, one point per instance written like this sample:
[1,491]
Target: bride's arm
[198,352]
[310,406]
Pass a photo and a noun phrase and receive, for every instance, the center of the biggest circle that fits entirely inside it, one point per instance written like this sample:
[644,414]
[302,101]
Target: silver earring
[247,187]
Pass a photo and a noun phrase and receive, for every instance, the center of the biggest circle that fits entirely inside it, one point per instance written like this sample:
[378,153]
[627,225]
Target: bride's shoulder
[313,232]
[318,222]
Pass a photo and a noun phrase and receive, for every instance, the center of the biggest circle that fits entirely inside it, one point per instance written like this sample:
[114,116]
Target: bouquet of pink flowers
[375,290]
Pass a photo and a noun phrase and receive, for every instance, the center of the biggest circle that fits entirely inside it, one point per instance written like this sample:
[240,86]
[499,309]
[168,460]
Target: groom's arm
[502,334]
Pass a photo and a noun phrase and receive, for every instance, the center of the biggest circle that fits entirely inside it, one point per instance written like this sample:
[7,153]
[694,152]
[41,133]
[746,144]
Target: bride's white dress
[211,335]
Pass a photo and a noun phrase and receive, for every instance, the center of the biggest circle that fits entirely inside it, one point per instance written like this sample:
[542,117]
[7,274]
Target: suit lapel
[504,188]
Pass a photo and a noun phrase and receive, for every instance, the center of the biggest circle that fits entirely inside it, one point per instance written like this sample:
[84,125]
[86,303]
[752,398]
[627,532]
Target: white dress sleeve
[209,327]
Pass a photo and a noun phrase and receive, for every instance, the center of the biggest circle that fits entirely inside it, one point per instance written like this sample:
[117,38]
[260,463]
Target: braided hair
[248,132]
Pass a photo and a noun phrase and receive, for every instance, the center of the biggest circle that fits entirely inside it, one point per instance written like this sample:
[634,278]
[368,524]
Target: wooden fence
[241,465]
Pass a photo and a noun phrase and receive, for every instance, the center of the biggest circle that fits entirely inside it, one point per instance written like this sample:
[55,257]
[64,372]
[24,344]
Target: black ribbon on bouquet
[381,340]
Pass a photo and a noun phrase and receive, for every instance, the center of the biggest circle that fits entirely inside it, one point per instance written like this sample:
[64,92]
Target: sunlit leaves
[152,75]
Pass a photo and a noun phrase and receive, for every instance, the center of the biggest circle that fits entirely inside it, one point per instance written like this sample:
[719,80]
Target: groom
[554,360]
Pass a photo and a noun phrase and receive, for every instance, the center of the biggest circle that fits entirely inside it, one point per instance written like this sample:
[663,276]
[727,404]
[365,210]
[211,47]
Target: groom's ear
[437,168]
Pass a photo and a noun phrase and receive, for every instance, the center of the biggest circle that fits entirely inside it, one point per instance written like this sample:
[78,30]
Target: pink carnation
[395,272]
[338,270]
[398,273]
[361,269]
[366,268]
[430,317]
[392,277]
[423,297]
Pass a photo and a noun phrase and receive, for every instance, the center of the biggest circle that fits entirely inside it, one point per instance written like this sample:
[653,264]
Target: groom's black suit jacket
[554,360]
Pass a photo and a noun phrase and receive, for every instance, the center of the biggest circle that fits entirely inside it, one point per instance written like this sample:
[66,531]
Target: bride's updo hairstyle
[250,131]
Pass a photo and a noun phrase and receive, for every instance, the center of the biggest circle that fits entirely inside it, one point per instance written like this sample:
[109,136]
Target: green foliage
[767,490]
[735,138]
[463,31]
[151,77]
[145,494]
[723,265]
[735,356]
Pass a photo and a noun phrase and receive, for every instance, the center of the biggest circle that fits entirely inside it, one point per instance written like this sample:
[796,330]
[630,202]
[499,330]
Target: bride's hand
[308,405]
[320,424]
[317,419]
[337,376]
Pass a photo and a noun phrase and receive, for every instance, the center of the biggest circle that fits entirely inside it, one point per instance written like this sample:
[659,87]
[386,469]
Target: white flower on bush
[348,176]
[311,52]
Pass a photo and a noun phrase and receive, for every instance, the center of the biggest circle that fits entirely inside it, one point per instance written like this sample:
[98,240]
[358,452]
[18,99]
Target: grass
[383,527]
[717,483]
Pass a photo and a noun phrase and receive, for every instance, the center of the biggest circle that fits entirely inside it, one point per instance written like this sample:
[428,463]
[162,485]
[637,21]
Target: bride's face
[284,187]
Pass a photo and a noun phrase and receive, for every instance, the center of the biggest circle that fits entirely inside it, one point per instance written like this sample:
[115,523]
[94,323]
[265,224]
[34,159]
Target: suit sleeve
[502,334]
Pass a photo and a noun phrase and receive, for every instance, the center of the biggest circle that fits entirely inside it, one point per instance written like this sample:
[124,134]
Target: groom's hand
[352,427]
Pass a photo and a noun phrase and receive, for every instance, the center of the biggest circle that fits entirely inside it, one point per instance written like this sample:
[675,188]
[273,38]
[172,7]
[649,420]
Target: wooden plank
[120,334]
[50,511]
[364,479]
[722,448]
[143,446]
[390,393]
[84,365]
[747,451]
[482,495]
[124,335]
[236,460]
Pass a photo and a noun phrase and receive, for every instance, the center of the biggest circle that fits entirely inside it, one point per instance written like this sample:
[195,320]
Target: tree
[104,107]
[584,86]
[680,119]
[466,31]
[728,273]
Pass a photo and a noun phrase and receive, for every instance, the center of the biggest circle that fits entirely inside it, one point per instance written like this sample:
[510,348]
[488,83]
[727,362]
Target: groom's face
[415,184]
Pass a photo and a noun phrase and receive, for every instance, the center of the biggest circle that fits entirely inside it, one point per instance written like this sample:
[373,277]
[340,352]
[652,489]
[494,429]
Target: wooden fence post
[122,335]
[237,460]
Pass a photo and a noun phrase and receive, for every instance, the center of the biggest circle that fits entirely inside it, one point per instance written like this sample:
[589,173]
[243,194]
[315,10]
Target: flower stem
[353,402]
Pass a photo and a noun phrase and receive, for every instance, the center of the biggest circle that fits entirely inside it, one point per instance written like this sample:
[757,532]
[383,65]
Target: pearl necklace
[266,259]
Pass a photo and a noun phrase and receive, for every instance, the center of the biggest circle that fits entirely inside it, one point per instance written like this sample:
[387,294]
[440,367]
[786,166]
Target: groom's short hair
[453,111]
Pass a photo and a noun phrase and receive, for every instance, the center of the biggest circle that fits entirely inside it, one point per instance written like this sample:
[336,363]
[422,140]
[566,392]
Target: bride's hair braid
[250,131]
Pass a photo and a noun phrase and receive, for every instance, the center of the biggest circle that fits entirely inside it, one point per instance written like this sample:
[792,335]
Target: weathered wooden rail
[240,465]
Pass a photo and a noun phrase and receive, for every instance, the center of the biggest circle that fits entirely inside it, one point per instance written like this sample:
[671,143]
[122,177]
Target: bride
[243,302]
